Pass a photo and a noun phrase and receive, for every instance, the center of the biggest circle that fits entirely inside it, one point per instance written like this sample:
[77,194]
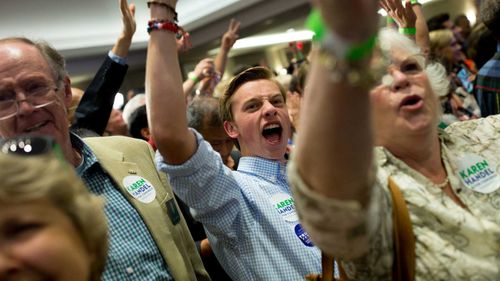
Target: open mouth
[36,127]
[411,102]
[272,133]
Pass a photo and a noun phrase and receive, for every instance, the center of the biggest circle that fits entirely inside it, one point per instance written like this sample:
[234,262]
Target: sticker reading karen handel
[478,173]
[284,204]
[140,188]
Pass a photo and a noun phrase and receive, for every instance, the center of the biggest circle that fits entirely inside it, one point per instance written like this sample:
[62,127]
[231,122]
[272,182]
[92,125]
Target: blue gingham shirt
[238,210]
[488,86]
[133,254]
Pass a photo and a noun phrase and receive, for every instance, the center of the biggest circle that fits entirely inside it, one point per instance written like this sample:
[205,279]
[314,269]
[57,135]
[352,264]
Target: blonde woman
[51,227]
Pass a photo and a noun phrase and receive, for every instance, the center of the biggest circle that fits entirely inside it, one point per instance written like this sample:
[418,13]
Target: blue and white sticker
[478,174]
[285,205]
[140,188]
[303,235]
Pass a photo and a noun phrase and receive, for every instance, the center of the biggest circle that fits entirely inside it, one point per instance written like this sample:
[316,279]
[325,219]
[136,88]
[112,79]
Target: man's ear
[67,91]
[145,133]
[231,129]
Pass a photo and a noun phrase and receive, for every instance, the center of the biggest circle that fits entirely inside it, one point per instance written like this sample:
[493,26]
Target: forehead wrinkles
[22,59]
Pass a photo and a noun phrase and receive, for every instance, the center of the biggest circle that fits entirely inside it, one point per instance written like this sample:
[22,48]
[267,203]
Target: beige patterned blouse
[452,243]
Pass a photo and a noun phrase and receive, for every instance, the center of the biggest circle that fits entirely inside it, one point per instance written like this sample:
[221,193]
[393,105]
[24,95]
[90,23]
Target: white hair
[390,41]
[133,104]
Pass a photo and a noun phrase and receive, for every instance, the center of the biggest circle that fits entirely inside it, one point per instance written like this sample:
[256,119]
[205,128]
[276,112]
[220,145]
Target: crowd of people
[376,158]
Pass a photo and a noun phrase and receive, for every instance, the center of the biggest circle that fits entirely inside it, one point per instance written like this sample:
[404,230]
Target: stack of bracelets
[160,24]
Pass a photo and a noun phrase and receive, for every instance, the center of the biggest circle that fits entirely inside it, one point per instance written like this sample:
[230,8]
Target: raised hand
[183,40]
[128,18]
[124,40]
[227,42]
[403,15]
[231,35]
[205,68]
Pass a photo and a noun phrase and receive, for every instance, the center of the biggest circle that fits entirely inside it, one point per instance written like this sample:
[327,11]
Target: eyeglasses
[30,145]
[410,65]
[37,96]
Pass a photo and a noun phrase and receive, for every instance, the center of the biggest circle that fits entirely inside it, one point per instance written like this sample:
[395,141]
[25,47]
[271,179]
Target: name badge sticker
[303,236]
[478,174]
[140,188]
[285,205]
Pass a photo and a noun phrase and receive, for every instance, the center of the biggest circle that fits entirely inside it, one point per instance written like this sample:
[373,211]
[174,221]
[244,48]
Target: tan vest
[121,157]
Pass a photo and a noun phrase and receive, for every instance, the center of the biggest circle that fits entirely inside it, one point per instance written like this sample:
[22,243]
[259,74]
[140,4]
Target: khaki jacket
[121,157]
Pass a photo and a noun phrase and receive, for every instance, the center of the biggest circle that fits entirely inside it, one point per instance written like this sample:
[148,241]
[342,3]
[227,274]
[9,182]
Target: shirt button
[130,270]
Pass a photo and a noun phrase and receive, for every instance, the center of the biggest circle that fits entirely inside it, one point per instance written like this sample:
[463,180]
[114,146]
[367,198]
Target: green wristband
[390,20]
[414,2]
[360,51]
[357,52]
[314,22]
[408,30]
[193,77]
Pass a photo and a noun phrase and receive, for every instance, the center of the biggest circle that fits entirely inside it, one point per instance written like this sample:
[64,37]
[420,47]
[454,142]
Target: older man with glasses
[149,239]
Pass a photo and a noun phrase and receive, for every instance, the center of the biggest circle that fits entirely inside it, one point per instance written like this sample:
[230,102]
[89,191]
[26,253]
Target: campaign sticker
[284,204]
[303,235]
[140,188]
[478,174]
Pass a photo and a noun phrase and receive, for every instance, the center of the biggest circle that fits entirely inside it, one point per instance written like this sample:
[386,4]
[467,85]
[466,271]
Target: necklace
[443,184]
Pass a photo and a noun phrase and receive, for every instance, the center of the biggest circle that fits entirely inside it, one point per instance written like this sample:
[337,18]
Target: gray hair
[204,112]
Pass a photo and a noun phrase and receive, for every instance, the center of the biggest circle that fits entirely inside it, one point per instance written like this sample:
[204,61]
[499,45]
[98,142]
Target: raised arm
[122,45]
[97,102]
[164,95]
[410,19]
[227,42]
[334,145]
[422,37]
[403,15]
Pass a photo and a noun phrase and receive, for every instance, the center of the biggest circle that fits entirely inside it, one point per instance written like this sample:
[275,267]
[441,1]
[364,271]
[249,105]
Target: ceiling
[83,31]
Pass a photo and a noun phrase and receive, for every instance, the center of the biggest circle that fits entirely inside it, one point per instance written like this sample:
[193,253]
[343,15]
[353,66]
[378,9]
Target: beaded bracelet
[163,25]
[408,30]
[165,5]
[342,70]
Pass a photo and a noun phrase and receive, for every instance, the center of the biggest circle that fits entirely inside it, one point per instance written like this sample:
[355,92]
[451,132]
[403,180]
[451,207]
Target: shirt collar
[270,170]
[88,157]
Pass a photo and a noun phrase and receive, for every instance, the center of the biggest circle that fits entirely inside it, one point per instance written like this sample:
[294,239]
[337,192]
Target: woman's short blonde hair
[29,178]
[440,39]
